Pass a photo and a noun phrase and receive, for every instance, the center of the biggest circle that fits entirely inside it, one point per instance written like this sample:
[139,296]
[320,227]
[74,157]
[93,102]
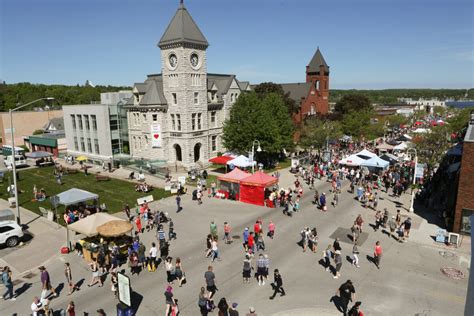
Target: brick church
[312,96]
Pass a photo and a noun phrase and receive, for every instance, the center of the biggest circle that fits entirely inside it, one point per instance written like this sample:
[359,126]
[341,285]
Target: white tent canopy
[241,162]
[365,153]
[401,146]
[74,196]
[352,160]
[88,226]
[375,162]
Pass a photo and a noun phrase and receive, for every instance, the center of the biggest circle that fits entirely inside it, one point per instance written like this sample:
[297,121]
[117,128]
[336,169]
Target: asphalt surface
[408,283]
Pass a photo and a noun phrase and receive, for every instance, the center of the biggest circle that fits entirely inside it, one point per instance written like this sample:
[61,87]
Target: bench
[71,171]
[46,164]
[148,199]
[99,177]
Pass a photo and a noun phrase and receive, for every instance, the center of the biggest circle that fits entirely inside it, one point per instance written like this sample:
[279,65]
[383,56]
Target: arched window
[316,84]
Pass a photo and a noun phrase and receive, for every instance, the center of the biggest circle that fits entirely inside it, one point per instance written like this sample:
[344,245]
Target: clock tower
[184,72]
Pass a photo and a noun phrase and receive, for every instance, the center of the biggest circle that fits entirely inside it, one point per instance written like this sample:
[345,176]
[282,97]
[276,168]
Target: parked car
[10,233]
[20,161]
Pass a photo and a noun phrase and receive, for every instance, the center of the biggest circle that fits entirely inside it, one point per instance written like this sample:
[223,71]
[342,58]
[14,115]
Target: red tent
[252,189]
[221,160]
[234,176]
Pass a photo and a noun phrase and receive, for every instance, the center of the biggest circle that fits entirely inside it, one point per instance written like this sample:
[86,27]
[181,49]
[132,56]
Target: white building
[424,104]
[97,131]
[177,116]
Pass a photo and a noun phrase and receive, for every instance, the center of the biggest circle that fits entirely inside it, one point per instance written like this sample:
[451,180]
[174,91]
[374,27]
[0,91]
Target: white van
[10,233]
[20,161]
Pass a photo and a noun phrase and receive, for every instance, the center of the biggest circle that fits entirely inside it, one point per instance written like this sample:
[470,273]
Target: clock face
[173,60]
[194,60]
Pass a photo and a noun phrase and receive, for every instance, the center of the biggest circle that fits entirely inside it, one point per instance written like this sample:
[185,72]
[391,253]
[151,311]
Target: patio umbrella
[114,228]
[81,158]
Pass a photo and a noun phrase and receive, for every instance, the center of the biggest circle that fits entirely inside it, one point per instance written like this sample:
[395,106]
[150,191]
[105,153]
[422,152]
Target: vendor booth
[375,162]
[221,160]
[105,225]
[241,162]
[253,189]
[75,196]
[229,184]
[352,160]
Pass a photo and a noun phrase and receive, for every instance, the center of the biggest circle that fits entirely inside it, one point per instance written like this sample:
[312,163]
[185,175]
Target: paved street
[408,283]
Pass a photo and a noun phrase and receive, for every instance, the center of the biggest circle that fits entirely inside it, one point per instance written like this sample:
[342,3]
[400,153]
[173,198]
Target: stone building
[177,116]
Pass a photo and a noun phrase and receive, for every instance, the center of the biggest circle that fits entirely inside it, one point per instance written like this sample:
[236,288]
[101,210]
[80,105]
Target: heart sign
[156,137]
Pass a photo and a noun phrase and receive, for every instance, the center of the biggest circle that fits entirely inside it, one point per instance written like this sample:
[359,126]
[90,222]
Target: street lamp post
[414,180]
[259,149]
[13,152]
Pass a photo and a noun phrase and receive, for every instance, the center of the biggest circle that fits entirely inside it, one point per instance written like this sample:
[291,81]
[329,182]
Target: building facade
[465,196]
[98,131]
[177,116]
[312,96]
[24,124]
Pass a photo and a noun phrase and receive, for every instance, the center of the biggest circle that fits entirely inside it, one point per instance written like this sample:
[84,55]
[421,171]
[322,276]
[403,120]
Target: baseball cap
[234,305]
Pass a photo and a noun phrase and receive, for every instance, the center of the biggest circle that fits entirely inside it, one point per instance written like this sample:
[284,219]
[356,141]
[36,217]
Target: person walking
[169,300]
[346,293]
[178,203]
[153,253]
[261,267]
[398,218]
[161,236]
[227,230]
[71,309]
[94,266]
[355,255]
[169,270]
[271,229]
[247,269]
[171,233]
[126,209]
[407,227]
[7,282]
[322,202]
[223,307]
[68,274]
[202,302]
[46,283]
[327,257]
[338,263]
[213,230]
[215,251]
[277,284]
[210,279]
[377,254]
[178,272]
[392,225]
[233,310]
[355,310]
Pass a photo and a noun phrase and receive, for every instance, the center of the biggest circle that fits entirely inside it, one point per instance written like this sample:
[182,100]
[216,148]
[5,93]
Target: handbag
[183,281]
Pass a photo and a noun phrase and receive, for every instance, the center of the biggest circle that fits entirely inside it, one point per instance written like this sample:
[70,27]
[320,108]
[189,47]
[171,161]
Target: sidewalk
[48,238]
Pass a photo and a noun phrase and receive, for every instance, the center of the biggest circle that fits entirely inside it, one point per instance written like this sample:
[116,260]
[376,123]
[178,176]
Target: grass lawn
[114,193]
[281,165]
[210,178]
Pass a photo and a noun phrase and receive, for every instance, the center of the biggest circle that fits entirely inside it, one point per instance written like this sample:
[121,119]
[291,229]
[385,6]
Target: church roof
[222,82]
[297,90]
[317,61]
[182,30]
[243,85]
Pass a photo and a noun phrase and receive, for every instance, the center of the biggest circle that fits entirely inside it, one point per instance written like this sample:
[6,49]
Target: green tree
[353,102]
[315,131]
[266,88]
[264,119]
[357,124]
[459,120]
[432,146]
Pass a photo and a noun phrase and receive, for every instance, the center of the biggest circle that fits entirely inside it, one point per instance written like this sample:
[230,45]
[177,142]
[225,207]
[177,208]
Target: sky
[368,44]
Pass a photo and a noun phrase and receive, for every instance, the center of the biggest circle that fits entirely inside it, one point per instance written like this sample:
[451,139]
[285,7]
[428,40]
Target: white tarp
[241,162]
[375,162]
[401,146]
[73,196]
[352,160]
[365,153]
[88,226]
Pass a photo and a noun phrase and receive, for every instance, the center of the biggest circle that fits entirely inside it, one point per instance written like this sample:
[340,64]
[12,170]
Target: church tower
[317,73]
[184,72]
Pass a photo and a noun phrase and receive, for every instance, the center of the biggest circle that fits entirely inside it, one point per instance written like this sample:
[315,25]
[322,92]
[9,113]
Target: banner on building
[155,136]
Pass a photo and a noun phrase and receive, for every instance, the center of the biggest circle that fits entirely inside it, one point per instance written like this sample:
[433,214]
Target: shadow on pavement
[22,289]
[337,302]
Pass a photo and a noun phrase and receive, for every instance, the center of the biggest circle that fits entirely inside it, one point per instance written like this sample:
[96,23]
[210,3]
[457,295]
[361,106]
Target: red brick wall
[465,198]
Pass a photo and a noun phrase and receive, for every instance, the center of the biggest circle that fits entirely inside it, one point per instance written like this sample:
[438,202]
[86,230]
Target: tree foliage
[391,95]
[264,119]
[315,131]
[20,93]
[270,87]
[432,146]
[353,102]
